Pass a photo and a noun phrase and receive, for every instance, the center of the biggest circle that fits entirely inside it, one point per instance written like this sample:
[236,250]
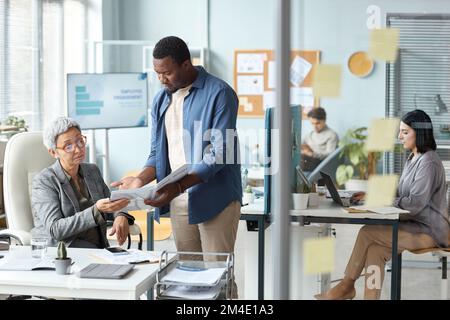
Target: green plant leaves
[344,173]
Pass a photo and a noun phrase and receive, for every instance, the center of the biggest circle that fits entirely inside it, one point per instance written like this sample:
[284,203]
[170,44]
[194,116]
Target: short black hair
[421,124]
[318,113]
[173,47]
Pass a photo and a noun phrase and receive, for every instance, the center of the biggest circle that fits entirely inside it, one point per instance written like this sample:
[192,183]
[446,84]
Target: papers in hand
[379,210]
[137,196]
[133,257]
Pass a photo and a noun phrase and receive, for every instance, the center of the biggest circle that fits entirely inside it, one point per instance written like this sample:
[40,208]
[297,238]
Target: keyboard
[105,271]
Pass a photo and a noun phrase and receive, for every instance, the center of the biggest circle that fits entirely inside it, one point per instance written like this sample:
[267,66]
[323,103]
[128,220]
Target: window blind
[420,77]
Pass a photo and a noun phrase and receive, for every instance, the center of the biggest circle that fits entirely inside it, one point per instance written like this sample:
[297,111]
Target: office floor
[420,273]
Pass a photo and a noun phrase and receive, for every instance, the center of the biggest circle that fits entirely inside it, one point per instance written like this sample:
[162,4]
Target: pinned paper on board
[299,70]
[271,80]
[327,80]
[251,62]
[268,99]
[384,44]
[318,255]
[381,190]
[382,134]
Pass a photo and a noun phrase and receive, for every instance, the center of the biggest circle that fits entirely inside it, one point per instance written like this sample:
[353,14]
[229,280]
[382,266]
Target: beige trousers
[373,249]
[215,235]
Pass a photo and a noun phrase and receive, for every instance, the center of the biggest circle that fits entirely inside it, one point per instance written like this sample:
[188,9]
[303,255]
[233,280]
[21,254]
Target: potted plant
[358,162]
[248,196]
[62,262]
[301,190]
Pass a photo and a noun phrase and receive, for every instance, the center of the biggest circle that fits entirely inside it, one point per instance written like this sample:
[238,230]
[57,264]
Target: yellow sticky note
[382,134]
[318,255]
[384,44]
[326,80]
[381,190]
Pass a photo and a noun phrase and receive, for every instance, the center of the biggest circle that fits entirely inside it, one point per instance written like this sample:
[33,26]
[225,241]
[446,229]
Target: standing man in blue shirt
[193,122]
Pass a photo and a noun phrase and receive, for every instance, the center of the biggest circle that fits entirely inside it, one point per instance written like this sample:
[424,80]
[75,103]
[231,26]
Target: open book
[148,191]
[379,210]
[27,264]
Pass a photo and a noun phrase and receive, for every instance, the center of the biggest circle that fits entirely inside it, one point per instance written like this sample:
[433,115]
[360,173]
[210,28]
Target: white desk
[49,284]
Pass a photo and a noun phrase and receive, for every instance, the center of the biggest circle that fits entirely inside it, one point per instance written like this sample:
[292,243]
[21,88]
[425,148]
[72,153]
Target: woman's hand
[106,205]
[121,229]
[358,196]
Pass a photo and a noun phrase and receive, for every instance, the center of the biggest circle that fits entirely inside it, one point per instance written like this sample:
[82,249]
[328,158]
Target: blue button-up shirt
[210,143]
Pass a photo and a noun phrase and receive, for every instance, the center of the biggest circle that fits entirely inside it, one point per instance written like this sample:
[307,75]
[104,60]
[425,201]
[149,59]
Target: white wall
[336,27]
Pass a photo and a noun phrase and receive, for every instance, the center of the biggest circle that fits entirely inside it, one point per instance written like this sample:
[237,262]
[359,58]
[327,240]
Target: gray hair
[57,127]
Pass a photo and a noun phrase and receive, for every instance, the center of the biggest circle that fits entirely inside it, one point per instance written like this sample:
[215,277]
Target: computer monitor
[108,100]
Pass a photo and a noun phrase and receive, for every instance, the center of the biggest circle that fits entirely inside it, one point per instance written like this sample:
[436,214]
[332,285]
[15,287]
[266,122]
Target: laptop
[342,197]
[105,271]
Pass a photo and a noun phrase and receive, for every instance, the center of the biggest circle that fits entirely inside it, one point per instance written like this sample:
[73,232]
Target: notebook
[26,264]
[105,271]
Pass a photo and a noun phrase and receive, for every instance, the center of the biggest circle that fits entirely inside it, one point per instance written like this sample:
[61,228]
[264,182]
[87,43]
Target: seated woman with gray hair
[69,199]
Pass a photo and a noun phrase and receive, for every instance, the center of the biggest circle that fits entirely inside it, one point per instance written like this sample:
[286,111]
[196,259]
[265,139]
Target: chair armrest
[22,236]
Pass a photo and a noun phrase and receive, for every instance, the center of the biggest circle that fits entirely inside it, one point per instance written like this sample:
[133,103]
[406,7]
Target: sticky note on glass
[384,44]
[381,190]
[326,80]
[382,134]
[318,255]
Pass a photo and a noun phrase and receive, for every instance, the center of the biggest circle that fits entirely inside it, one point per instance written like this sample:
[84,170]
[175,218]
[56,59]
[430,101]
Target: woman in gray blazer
[69,199]
[422,191]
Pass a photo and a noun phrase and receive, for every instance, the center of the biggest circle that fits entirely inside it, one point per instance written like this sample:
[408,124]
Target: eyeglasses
[70,147]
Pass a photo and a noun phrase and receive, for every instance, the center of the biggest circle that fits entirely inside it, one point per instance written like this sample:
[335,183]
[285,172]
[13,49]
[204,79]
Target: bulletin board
[254,77]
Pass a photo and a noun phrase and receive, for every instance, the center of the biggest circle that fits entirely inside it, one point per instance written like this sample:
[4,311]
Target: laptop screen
[331,188]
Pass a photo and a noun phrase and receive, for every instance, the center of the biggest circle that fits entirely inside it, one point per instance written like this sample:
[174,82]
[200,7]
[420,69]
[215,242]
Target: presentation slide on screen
[110,100]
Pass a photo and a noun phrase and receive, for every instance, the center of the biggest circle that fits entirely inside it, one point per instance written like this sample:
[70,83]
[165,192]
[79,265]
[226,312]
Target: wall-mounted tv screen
[108,100]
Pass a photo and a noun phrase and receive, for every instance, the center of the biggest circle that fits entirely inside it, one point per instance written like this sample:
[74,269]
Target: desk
[47,283]
[251,213]
[329,212]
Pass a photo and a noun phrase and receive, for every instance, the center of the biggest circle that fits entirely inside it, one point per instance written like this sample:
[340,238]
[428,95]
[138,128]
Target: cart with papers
[193,276]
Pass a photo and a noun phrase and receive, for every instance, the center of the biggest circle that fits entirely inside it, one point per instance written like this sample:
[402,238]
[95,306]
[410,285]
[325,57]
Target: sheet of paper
[379,210]
[318,255]
[302,96]
[148,191]
[271,79]
[208,276]
[193,292]
[381,190]
[268,99]
[27,264]
[327,80]
[299,70]
[250,85]
[382,134]
[134,256]
[251,62]
[384,44]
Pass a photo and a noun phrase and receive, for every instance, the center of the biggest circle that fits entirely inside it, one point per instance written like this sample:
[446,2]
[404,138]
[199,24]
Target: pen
[143,261]
[1,257]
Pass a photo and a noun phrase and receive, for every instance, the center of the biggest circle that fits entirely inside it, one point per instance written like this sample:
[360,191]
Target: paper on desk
[382,134]
[148,191]
[384,44]
[134,256]
[193,292]
[318,255]
[381,190]
[205,277]
[327,80]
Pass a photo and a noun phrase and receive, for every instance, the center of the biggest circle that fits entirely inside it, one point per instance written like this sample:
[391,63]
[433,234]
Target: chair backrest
[25,155]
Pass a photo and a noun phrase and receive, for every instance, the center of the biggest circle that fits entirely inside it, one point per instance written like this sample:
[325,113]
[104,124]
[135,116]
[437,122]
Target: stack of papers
[134,257]
[191,292]
[198,277]
[379,210]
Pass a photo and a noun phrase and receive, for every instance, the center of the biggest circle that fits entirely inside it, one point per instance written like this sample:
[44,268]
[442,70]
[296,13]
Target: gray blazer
[56,212]
[422,191]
